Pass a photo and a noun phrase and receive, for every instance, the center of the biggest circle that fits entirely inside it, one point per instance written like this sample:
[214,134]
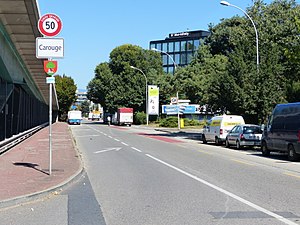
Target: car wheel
[264,149]
[217,142]
[238,145]
[204,139]
[227,145]
[292,155]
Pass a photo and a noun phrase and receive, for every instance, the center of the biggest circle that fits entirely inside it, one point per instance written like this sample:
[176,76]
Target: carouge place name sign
[49,48]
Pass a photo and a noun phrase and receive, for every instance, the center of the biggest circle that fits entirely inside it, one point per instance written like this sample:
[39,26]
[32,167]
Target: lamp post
[175,67]
[147,116]
[256,34]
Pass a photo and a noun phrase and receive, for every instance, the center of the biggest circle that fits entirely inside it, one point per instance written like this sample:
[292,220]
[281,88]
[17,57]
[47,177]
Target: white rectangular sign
[50,80]
[153,100]
[49,48]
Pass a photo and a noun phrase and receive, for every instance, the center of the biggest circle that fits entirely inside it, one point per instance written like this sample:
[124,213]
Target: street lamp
[175,65]
[147,116]
[256,34]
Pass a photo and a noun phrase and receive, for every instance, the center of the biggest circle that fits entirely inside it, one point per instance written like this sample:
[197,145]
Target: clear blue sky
[93,28]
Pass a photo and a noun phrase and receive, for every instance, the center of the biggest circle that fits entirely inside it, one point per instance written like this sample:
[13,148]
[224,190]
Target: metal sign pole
[178,116]
[50,128]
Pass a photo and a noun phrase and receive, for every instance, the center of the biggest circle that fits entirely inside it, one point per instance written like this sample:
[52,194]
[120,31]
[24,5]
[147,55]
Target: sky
[93,28]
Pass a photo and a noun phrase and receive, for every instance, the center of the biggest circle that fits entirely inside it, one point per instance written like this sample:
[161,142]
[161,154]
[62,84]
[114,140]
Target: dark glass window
[190,45]
[177,59]
[171,47]
[158,46]
[165,47]
[183,59]
[252,130]
[196,44]
[165,59]
[171,69]
[183,46]
[177,46]
[152,46]
[170,60]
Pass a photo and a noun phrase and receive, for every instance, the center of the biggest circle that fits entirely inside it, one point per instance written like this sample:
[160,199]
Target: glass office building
[180,46]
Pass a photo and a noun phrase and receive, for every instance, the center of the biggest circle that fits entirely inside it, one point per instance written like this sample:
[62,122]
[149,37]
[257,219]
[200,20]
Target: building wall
[181,47]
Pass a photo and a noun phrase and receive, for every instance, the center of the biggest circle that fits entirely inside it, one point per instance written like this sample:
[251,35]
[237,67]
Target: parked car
[244,135]
[282,133]
[218,128]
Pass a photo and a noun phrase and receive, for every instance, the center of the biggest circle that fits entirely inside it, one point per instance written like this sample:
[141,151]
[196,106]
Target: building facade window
[177,46]
[181,46]
[171,46]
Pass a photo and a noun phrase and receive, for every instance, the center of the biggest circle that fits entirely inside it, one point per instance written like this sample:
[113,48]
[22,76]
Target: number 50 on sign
[50,25]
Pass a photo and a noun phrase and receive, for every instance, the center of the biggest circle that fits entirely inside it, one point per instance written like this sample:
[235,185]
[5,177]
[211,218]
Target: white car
[218,128]
[244,135]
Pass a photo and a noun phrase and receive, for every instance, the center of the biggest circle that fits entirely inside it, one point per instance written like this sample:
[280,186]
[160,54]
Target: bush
[140,118]
[188,122]
[169,122]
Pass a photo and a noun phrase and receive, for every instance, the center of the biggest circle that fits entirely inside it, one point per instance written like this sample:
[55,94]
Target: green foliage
[140,118]
[171,121]
[228,56]
[85,107]
[117,85]
[66,93]
[188,122]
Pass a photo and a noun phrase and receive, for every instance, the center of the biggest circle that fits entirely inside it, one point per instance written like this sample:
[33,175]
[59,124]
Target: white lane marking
[274,215]
[108,149]
[104,134]
[136,149]
[110,136]
[116,139]
[93,135]
[124,143]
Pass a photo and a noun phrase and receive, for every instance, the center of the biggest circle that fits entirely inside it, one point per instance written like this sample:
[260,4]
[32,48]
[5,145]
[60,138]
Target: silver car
[244,135]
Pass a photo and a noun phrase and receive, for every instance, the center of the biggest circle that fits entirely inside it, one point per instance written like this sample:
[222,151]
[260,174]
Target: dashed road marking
[124,143]
[136,149]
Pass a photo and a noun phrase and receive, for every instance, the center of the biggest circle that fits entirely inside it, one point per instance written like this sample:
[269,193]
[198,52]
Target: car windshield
[252,130]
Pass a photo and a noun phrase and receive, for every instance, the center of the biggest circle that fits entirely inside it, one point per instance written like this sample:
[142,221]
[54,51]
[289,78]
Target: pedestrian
[108,120]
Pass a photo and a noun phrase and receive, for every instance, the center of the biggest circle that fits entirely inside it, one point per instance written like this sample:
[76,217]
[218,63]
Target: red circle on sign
[50,25]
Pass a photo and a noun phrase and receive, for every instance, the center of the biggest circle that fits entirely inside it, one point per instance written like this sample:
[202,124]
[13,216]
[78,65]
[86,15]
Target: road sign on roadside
[50,25]
[50,80]
[49,48]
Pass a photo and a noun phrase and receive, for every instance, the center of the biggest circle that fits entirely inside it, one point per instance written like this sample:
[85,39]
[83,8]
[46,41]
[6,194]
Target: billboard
[153,100]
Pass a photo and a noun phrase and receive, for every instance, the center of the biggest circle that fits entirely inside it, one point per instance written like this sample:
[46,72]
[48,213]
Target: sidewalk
[24,169]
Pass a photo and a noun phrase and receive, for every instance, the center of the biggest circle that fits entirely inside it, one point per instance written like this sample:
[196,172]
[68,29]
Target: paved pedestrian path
[24,169]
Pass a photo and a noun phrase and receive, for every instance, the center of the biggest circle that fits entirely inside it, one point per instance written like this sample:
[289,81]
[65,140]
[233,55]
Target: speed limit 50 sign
[50,25]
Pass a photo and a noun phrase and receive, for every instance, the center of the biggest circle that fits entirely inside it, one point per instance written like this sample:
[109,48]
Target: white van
[219,126]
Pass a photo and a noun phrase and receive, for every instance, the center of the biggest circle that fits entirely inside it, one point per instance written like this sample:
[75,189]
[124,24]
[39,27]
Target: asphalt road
[138,176]
[145,177]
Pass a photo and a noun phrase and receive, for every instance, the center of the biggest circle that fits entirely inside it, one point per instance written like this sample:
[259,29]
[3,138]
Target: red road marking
[161,138]
[119,128]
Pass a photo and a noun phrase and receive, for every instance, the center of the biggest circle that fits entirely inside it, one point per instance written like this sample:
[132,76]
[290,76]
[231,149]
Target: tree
[243,89]
[117,85]
[66,93]
[85,107]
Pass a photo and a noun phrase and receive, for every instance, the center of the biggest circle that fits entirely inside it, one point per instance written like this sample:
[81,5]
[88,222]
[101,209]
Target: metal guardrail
[16,139]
